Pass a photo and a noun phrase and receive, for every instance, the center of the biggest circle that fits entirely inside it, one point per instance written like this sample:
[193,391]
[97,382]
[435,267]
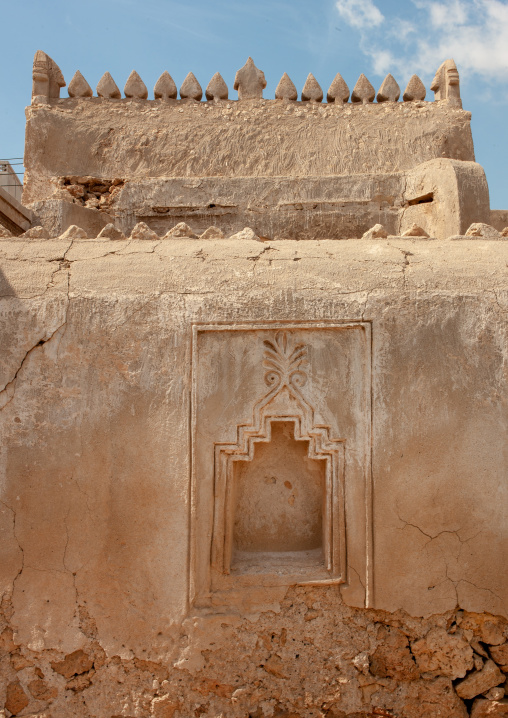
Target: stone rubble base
[372,663]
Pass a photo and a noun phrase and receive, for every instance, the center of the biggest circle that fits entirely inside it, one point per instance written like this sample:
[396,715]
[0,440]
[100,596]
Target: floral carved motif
[285,364]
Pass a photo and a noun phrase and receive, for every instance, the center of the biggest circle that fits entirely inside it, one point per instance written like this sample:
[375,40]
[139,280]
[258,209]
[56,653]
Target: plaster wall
[132,139]
[95,485]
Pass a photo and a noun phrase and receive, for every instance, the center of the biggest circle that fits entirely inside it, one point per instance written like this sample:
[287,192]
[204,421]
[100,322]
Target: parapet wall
[133,139]
[286,169]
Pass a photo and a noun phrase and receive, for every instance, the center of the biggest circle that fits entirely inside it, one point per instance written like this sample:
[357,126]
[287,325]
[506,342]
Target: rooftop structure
[291,169]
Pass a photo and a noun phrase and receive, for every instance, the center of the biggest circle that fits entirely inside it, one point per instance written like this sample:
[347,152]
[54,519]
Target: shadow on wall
[6,289]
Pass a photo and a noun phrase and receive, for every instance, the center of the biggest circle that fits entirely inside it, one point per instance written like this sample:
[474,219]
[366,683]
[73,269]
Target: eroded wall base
[309,656]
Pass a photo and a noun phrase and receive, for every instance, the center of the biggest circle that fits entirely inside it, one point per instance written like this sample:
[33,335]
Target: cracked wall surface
[95,388]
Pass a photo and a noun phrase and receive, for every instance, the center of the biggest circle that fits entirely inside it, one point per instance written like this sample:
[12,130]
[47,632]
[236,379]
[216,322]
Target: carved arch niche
[280,458]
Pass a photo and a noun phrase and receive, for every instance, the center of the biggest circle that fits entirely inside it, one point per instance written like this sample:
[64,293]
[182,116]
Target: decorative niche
[276,410]
[278,502]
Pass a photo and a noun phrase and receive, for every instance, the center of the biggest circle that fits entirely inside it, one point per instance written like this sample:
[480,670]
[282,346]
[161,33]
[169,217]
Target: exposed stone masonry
[371,663]
[91,192]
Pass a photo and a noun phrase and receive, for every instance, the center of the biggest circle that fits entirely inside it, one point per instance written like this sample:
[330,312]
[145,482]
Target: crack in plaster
[20,571]
[11,384]
[455,583]
[479,588]
[432,537]
[358,575]
[268,248]
[10,387]
[406,253]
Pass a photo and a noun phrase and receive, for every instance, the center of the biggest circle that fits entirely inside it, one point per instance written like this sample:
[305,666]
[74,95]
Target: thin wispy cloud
[360,13]
[473,32]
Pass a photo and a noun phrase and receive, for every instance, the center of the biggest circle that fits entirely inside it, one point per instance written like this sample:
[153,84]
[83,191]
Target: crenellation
[338,92]
[389,90]
[446,83]
[249,82]
[110,232]
[363,91]
[191,89]
[47,79]
[79,87]
[286,89]
[165,87]
[415,90]
[181,230]
[135,87]
[216,89]
[107,88]
[312,91]
[143,231]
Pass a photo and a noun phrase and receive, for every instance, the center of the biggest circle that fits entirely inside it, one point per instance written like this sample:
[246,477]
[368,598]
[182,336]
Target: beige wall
[142,139]
[100,517]
[96,454]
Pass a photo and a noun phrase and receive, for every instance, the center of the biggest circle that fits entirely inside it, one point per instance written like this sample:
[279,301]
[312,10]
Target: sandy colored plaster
[12,553]
[96,446]
[357,264]
[200,126]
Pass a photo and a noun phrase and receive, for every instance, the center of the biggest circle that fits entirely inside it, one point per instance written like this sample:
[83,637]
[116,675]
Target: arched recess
[278,502]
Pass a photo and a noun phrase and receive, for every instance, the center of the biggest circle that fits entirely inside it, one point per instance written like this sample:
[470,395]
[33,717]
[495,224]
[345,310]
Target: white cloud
[360,13]
[445,14]
[473,32]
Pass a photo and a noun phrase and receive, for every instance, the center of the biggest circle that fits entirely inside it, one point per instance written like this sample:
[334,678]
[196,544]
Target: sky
[298,37]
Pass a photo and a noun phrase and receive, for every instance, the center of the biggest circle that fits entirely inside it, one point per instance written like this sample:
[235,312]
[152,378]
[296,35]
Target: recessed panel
[281,457]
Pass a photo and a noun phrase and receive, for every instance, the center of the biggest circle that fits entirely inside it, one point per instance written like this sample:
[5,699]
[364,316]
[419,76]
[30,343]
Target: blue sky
[319,36]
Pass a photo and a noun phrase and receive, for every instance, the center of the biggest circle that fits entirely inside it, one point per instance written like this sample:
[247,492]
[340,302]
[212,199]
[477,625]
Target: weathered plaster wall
[289,170]
[95,476]
[131,139]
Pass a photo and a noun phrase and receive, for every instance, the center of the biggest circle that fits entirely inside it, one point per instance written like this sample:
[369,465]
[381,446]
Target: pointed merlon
[135,87]
[165,88]
[312,91]
[338,91]
[363,91]
[46,76]
[414,231]
[415,90]
[389,90]
[446,83]
[79,87]
[250,81]
[286,89]
[107,88]
[191,89]
[216,88]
